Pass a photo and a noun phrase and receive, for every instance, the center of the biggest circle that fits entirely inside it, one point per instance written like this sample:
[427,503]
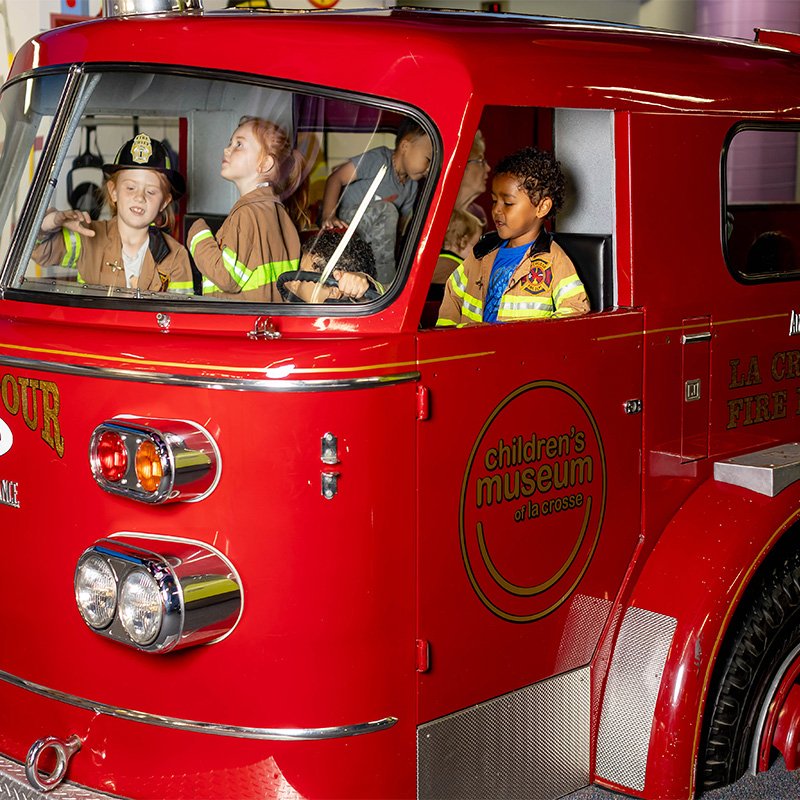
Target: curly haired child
[354,271]
[517,272]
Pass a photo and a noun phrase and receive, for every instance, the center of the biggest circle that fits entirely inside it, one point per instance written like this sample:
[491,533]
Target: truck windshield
[160,187]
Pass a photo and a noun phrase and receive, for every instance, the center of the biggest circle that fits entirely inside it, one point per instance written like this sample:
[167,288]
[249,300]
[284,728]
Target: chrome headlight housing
[157,594]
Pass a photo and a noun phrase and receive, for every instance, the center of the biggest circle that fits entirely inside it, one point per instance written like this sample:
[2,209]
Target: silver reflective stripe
[471,306]
[526,306]
[459,281]
[566,288]
[195,726]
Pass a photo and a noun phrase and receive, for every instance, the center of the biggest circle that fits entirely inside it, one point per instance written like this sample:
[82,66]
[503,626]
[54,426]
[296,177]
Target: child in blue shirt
[518,272]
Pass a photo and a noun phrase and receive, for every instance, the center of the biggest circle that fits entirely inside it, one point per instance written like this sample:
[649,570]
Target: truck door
[529,500]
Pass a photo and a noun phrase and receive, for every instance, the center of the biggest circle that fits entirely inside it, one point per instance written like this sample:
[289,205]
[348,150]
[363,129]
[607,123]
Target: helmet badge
[141,149]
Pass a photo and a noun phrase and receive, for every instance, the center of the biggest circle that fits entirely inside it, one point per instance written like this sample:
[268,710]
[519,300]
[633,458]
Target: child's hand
[351,284]
[332,223]
[72,220]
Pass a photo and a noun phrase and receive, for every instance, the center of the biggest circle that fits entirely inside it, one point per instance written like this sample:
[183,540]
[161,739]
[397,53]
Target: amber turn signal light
[149,471]
[154,460]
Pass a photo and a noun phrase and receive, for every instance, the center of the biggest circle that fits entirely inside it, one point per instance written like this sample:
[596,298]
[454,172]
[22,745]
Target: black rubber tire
[763,634]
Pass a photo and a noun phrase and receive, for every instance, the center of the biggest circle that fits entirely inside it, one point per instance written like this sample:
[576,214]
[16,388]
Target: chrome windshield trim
[195,726]
[227,384]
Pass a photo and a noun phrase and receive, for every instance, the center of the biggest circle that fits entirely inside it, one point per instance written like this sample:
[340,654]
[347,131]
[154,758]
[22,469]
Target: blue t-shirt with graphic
[505,262]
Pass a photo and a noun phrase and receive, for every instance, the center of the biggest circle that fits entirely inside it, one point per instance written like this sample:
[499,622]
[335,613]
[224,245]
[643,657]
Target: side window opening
[582,141]
[761,211]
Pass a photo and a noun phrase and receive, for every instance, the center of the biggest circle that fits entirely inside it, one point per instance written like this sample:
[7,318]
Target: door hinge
[423,655]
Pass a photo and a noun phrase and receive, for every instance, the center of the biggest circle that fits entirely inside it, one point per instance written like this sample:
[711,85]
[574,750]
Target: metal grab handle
[64,750]
[693,338]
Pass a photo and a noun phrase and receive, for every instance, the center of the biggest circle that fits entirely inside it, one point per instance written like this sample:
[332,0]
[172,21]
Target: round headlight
[140,607]
[96,592]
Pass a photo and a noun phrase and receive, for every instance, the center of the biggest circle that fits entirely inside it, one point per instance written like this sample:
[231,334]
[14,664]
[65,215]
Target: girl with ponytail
[258,239]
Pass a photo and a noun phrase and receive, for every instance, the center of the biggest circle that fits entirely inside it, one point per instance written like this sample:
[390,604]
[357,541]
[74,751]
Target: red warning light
[112,456]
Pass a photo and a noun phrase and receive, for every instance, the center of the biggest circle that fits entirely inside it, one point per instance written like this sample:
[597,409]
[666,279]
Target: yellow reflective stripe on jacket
[568,287]
[235,268]
[199,237]
[262,275]
[72,251]
[471,307]
[458,280]
[181,287]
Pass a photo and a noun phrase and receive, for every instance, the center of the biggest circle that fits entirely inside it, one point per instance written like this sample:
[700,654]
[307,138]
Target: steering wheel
[302,275]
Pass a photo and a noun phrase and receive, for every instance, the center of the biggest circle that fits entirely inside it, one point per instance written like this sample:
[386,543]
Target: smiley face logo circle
[532,501]
[6,438]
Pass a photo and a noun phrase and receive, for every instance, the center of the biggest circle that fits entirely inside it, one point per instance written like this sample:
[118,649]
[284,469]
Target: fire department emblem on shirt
[141,149]
[539,277]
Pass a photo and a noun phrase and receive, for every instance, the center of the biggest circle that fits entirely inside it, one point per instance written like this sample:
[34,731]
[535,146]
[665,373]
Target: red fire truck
[328,550]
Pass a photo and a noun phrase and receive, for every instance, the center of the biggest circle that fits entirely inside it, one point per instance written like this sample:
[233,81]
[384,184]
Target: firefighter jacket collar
[491,241]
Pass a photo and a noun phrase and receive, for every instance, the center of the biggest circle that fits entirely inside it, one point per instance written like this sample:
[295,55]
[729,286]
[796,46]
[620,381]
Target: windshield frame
[67,118]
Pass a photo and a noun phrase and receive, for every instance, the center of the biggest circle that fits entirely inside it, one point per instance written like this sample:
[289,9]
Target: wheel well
[719,759]
[787,543]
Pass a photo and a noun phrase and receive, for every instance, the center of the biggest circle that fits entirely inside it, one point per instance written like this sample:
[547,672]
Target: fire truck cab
[331,550]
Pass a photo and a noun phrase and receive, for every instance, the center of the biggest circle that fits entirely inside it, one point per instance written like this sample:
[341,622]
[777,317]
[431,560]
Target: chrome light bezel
[191,464]
[200,590]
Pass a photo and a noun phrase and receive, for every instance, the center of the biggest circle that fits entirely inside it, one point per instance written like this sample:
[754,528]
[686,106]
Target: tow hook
[63,751]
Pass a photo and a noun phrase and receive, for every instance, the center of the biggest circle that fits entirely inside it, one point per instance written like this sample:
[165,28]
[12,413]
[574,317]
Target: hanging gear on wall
[87,195]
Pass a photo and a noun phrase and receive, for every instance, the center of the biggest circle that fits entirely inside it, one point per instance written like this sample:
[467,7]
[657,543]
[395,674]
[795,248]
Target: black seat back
[213,221]
[591,254]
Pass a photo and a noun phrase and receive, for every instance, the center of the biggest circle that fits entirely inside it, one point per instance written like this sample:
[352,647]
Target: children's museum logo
[532,501]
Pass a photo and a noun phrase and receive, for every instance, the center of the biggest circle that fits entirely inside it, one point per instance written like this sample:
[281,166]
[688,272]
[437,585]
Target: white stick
[348,234]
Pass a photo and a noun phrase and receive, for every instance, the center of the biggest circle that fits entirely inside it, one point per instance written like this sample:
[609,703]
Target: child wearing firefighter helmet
[132,249]
[517,272]
[354,271]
